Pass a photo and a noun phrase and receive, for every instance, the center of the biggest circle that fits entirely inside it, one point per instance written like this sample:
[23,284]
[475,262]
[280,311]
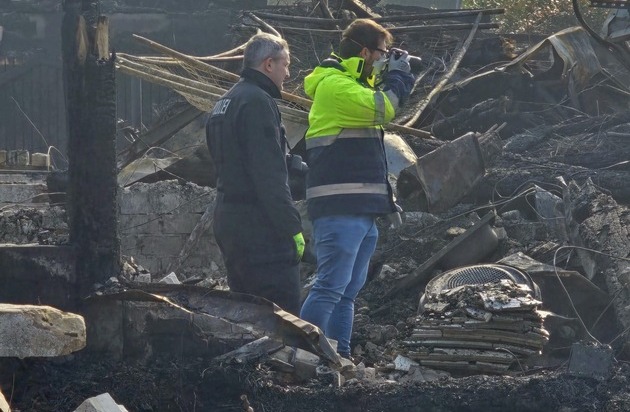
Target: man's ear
[268,64]
[365,52]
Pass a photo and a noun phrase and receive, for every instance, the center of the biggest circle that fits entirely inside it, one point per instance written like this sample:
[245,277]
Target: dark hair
[362,33]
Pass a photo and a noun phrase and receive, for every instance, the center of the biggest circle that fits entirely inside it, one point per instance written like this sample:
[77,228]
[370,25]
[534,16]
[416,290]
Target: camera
[296,165]
[415,62]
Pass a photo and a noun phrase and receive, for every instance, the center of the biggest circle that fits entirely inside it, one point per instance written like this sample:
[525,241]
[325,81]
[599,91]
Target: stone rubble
[39,331]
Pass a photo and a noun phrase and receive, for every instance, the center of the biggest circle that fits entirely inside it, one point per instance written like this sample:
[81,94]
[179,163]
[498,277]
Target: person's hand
[299,245]
[399,60]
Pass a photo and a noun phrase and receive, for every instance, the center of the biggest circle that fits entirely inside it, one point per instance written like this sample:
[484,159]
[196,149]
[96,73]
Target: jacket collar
[262,81]
[353,66]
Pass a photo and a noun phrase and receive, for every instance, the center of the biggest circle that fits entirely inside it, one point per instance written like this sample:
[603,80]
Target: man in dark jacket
[256,224]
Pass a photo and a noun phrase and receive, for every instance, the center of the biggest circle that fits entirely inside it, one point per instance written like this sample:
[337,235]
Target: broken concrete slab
[101,403]
[39,331]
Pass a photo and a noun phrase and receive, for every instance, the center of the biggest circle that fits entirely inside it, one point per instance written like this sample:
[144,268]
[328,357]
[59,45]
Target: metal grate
[474,275]
[611,4]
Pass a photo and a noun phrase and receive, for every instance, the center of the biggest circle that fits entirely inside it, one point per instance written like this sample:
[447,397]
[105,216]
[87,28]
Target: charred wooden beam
[90,86]
[158,134]
[407,29]
[318,21]
[439,15]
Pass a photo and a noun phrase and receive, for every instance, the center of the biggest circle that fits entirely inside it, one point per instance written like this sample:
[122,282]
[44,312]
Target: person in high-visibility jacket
[347,185]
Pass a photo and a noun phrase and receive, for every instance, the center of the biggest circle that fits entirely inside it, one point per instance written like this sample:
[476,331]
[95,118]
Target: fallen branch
[207,68]
[409,130]
[262,23]
[447,76]
[167,61]
[323,6]
[171,81]
[157,74]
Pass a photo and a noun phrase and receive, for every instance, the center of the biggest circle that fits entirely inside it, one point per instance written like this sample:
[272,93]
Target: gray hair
[263,46]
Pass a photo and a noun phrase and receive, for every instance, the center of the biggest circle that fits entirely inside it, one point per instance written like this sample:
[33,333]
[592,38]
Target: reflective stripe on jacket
[346,156]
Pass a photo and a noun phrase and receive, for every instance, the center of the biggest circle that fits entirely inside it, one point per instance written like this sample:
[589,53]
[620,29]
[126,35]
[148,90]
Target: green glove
[299,245]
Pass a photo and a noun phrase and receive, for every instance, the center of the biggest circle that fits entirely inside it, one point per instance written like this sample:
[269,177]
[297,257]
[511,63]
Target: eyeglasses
[384,52]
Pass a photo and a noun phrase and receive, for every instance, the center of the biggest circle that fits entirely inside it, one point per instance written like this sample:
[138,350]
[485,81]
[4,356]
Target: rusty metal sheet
[450,172]
[573,47]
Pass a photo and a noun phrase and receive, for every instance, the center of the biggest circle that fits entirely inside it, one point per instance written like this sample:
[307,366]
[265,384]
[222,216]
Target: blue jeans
[344,245]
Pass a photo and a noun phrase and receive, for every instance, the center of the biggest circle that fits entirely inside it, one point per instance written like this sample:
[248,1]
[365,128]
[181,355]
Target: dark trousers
[257,260]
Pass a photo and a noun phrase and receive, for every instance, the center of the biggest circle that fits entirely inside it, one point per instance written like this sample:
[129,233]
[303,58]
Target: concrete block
[387,272]
[402,363]
[139,223]
[591,360]
[129,245]
[22,193]
[133,202]
[161,245]
[282,359]
[305,364]
[54,218]
[18,157]
[172,197]
[100,403]
[39,160]
[179,223]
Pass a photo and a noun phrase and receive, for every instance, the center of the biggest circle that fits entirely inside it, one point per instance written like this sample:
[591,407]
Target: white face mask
[379,66]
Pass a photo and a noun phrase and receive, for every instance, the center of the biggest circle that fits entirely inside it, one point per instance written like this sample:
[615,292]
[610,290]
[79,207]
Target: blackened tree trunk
[89,79]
